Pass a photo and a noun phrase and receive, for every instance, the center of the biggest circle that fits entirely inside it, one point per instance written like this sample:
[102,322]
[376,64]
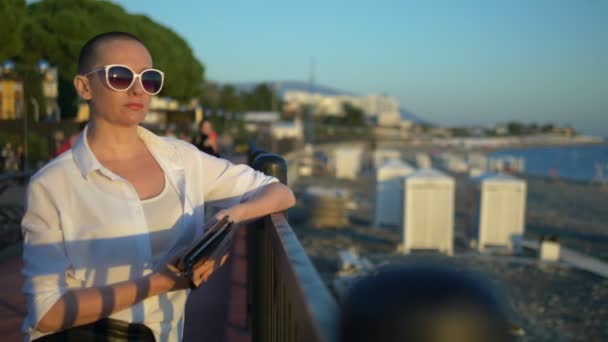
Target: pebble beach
[549,301]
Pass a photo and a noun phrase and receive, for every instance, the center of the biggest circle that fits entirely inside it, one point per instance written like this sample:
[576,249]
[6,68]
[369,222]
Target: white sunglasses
[120,78]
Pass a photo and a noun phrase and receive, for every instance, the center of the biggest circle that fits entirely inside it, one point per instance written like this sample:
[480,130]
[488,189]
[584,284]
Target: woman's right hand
[172,279]
[169,278]
[203,270]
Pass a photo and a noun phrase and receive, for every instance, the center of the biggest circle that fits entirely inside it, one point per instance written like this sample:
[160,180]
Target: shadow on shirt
[52,270]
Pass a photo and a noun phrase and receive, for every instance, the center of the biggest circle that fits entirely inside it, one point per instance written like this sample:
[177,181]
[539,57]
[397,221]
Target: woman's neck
[109,142]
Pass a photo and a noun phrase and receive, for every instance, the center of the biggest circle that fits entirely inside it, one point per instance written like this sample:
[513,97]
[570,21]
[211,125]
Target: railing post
[288,301]
[262,284]
[272,165]
[253,153]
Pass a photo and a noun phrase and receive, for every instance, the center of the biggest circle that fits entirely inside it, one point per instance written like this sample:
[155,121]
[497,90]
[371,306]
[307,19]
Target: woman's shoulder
[56,171]
[179,144]
[185,149]
[191,155]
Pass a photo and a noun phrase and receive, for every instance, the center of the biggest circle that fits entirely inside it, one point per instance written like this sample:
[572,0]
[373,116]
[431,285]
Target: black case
[205,247]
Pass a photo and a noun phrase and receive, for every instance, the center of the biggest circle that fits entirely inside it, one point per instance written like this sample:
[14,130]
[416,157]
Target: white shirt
[163,214]
[84,226]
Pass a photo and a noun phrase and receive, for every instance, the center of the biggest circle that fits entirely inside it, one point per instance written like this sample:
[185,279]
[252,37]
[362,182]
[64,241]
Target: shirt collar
[162,150]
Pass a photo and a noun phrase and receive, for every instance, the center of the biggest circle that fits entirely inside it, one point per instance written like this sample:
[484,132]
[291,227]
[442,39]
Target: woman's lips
[134,105]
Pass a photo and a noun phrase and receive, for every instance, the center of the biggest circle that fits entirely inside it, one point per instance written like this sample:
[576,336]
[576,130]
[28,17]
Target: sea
[585,163]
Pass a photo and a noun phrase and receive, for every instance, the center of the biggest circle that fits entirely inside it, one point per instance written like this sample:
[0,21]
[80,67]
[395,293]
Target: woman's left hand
[271,198]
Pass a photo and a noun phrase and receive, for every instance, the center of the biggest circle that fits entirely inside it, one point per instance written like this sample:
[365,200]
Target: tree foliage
[353,116]
[56,30]
[210,97]
[261,98]
[12,15]
[546,128]
[219,99]
[229,99]
[515,128]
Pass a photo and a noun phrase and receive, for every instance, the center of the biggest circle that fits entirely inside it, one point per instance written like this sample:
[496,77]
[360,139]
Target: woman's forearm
[83,306]
[272,198]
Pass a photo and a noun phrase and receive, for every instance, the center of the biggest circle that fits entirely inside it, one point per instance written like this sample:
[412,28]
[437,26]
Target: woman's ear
[81,83]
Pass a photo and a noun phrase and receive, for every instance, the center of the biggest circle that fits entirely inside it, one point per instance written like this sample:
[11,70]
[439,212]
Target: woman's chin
[132,118]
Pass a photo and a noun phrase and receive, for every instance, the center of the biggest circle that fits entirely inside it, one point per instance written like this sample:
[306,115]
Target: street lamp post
[25,144]
[311,112]
[36,108]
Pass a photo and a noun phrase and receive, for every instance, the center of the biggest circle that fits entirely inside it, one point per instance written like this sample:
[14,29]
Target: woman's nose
[136,88]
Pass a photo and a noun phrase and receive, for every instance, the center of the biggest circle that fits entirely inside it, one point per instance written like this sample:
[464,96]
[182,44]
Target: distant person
[105,220]
[20,158]
[424,302]
[170,132]
[508,168]
[8,155]
[206,138]
[71,140]
[225,143]
[600,177]
[553,173]
[185,136]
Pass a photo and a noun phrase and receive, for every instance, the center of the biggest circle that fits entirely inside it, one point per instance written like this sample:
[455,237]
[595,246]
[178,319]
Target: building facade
[11,98]
[382,109]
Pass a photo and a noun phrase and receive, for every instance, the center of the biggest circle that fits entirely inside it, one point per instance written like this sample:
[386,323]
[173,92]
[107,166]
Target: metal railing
[14,178]
[11,213]
[288,300]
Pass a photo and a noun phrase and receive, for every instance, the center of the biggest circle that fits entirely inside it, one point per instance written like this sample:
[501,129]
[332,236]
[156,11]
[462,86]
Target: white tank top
[163,214]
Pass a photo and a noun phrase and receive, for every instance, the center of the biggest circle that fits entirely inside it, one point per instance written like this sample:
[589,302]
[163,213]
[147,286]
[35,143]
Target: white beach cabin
[428,211]
[389,192]
[498,217]
[348,162]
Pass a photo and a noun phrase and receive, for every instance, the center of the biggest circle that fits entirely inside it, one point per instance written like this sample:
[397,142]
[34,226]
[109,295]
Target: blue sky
[452,62]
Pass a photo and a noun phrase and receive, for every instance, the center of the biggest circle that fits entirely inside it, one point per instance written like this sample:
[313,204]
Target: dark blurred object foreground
[425,302]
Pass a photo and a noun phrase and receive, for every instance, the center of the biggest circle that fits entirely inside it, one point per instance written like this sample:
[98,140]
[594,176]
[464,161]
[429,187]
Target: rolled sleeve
[228,184]
[44,256]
